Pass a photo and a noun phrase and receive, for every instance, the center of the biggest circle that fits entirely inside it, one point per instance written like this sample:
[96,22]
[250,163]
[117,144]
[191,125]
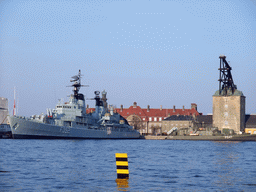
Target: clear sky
[154,52]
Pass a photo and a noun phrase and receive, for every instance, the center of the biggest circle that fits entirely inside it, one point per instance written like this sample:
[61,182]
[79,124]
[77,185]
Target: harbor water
[154,165]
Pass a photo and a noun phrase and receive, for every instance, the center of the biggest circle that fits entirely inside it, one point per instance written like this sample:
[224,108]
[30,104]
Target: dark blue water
[154,165]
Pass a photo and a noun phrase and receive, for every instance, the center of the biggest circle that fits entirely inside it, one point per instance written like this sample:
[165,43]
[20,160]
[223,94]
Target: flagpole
[14,107]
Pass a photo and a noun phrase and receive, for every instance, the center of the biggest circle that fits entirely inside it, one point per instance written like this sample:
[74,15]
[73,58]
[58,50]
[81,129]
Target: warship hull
[23,128]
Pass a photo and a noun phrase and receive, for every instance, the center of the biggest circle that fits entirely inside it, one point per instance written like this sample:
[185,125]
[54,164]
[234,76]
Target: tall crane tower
[226,82]
[228,102]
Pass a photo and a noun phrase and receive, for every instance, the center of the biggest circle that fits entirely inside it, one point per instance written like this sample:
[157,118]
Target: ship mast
[77,84]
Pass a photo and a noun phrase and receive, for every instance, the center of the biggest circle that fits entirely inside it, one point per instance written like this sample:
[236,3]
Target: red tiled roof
[144,113]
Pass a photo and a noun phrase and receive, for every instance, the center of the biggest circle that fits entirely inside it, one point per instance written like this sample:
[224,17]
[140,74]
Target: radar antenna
[77,84]
[225,81]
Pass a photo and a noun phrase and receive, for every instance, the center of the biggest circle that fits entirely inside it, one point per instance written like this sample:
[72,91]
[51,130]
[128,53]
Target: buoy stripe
[122,163]
[121,167]
[121,159]
[122,171]
[122,176]
[121,155]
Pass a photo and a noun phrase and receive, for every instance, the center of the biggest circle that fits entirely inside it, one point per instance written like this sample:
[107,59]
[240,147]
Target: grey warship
[69,120]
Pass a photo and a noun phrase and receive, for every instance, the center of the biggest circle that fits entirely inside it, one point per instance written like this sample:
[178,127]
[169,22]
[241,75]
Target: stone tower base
[229,111]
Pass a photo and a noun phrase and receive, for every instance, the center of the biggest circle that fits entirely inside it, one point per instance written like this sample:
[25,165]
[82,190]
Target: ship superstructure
[70,120]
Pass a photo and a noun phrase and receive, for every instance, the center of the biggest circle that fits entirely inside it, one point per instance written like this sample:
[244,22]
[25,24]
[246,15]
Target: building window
[150,118]
[155,119]
[160,118]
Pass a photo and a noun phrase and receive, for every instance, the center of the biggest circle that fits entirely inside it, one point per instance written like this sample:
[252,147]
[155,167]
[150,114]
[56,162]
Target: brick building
[250,124]
[149,120]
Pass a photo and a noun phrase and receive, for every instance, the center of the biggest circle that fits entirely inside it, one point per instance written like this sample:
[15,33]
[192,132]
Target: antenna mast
[77,84]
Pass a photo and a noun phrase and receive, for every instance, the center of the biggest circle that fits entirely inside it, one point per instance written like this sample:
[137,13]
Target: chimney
[121,108]
[134,105]
[161,107]
[183,108]
[87,106]
[104,99]
[194,106]
[174,110]
[111,110]
[148,109]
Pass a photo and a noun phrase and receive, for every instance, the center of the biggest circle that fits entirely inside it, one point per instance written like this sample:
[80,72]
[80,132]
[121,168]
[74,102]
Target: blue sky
[152,52]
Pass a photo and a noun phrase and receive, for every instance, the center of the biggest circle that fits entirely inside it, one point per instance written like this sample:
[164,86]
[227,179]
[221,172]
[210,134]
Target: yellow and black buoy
[122,166]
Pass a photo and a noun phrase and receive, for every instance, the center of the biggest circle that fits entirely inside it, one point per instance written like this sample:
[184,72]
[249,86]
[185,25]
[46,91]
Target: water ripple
[67,165]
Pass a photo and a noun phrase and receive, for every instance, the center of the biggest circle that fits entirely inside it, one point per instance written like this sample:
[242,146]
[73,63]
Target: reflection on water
[122,184]
[226,161]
